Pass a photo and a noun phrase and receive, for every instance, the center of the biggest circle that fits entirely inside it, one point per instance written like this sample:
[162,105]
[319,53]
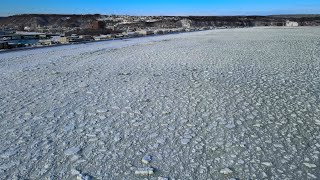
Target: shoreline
[127,38]
[86,42]
[106,40]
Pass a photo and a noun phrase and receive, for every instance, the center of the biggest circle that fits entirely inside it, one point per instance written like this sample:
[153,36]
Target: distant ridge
[60,20]
[82,21]
[295,15]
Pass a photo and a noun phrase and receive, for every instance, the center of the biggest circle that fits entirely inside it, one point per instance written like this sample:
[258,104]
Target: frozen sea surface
[221,104]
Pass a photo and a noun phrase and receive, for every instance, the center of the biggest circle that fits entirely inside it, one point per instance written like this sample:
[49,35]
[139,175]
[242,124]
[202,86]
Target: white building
[292,24]
[186,23]
[145,32]
[27,28]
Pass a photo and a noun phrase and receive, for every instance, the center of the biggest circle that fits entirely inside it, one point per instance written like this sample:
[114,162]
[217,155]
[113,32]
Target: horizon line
[280,14]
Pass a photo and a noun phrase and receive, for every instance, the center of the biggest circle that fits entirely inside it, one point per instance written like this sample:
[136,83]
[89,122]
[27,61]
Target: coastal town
[108,28]
[23,31]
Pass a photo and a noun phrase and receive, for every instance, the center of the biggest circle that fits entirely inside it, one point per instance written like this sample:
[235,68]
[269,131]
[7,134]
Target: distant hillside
[245,21]
[55,20]
[34,21]
[295,15]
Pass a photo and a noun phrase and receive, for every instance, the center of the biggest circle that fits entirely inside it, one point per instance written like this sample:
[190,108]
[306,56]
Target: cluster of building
[10,39]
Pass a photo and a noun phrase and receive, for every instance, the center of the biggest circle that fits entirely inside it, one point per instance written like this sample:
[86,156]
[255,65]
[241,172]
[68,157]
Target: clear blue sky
[161,7]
